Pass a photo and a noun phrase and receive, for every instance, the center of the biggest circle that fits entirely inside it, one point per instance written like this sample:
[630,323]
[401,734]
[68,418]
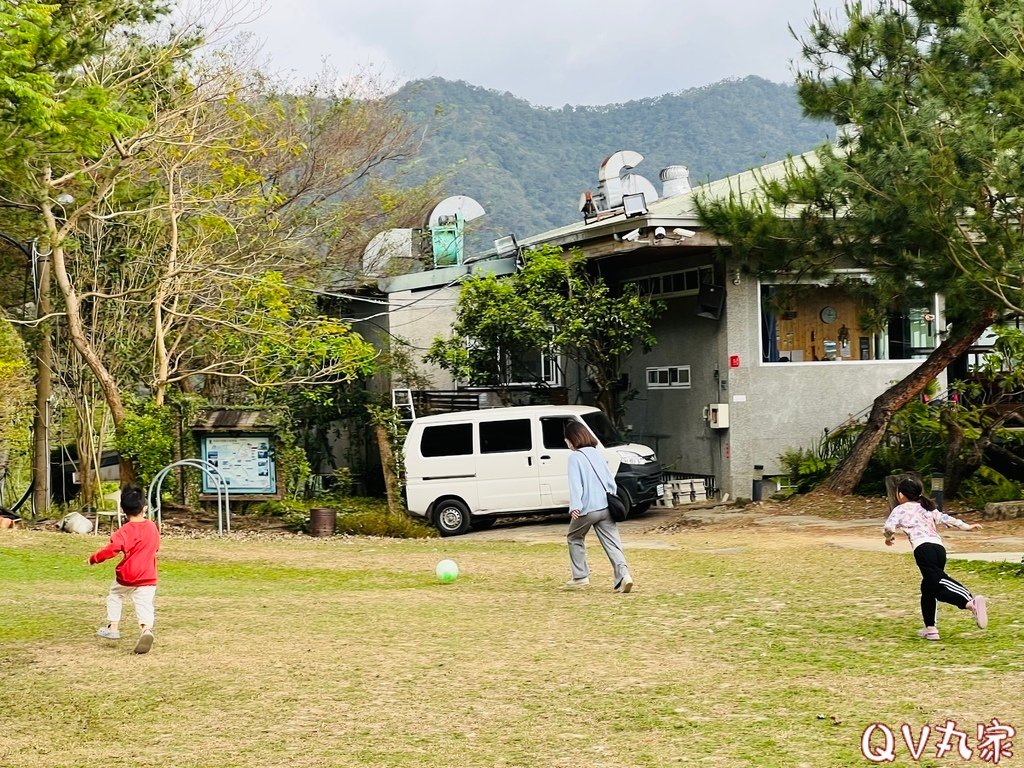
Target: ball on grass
[447,571]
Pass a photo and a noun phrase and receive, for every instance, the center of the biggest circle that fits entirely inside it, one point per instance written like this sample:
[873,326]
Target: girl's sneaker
[928,633]
[979,607]
[108,634]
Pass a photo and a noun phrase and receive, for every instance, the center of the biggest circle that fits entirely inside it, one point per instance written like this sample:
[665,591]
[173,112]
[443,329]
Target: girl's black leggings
[936,584]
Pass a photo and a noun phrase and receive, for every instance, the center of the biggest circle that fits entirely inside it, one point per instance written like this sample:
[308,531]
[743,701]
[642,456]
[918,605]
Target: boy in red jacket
[135,576]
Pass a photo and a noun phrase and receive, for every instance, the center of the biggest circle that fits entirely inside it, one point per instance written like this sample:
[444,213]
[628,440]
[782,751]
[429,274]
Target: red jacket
[139,541]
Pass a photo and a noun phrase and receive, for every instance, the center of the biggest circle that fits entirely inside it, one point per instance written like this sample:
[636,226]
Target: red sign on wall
[734,361]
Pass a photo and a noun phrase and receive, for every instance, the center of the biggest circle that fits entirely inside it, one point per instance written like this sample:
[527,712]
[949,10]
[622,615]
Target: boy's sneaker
[108,634]
[928,633]
[145,642]
[626,584]
[573,583]
[979,607]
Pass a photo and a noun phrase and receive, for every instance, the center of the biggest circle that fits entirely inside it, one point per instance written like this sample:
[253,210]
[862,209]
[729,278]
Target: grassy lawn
[737,648]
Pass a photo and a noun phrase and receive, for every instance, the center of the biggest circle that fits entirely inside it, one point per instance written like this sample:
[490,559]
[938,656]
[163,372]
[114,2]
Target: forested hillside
[528,165]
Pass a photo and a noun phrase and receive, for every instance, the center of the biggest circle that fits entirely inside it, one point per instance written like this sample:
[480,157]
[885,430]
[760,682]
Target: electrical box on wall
[718,415]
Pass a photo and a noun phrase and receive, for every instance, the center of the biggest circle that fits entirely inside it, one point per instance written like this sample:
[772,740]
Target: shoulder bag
[616,508]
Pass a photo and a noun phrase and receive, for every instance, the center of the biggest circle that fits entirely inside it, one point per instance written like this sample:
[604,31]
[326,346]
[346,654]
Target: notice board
[245,461]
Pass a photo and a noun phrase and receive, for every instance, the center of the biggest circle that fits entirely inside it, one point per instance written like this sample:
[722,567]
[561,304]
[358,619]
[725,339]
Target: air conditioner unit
[718,415]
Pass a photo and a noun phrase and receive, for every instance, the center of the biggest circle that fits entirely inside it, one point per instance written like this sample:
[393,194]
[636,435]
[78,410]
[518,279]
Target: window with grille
[669,377]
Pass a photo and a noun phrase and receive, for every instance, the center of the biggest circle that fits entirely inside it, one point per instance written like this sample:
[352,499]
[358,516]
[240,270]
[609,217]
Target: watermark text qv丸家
[988,742]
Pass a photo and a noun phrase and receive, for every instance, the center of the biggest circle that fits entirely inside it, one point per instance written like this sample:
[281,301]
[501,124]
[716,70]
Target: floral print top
[919,524]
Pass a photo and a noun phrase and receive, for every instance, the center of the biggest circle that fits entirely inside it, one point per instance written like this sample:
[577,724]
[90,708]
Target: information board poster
[243,460]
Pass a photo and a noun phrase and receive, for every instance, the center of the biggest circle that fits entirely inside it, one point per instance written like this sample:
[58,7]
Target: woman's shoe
[928,633]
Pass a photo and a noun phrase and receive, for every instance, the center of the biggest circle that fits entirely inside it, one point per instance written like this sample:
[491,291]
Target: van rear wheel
[451,517]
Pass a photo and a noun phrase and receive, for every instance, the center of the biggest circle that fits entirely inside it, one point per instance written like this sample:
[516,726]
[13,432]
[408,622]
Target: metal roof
[669,212]
[234,420]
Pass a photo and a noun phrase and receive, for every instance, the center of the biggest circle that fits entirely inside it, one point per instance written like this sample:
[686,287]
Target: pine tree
[923,189]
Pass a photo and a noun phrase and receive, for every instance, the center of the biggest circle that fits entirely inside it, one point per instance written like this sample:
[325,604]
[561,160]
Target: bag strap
[599,478]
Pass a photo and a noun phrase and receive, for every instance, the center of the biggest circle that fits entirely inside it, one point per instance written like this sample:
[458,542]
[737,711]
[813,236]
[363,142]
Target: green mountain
[528,165]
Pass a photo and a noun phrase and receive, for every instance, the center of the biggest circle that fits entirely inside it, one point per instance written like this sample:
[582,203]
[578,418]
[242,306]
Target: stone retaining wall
[1003,510]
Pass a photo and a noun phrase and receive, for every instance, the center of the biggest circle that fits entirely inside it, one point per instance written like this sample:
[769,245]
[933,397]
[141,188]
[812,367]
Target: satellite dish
[465,207]
[385,246]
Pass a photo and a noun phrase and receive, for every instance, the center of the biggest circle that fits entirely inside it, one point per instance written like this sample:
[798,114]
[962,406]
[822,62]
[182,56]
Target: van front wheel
[623,495]
[451,517]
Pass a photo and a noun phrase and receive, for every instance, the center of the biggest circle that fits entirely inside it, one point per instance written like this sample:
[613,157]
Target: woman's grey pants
[607,533]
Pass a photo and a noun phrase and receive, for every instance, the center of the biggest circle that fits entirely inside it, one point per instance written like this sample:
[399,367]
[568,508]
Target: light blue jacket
[587,492]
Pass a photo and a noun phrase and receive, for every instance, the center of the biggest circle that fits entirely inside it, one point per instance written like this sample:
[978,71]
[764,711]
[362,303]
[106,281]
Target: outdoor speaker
[711,301]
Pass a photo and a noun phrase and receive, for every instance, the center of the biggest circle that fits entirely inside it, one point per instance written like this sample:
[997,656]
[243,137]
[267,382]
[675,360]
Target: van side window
[447,440]
[505,436]
[553,429]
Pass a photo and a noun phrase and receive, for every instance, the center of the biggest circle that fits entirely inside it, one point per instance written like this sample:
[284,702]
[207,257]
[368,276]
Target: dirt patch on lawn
[844,521]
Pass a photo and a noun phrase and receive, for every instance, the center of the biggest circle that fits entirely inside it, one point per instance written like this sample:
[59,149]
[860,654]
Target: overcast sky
[551,52]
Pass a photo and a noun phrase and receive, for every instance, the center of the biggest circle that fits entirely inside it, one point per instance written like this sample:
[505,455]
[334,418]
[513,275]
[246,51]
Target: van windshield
[601,426]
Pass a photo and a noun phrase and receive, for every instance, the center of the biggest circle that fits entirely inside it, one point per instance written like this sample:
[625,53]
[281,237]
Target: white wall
[418,317]
[772,408]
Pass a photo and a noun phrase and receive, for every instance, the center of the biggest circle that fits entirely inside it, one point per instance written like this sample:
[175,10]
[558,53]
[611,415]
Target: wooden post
[890,486]
[387,461]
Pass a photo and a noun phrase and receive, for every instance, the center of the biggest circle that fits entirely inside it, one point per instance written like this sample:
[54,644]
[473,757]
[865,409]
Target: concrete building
[744,368]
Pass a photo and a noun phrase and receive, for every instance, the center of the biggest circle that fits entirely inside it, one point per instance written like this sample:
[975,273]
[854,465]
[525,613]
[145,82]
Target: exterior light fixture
[634,205]
[506,246]
[939,490]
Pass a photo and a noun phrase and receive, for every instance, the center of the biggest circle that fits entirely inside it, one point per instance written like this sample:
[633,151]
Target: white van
[465,469]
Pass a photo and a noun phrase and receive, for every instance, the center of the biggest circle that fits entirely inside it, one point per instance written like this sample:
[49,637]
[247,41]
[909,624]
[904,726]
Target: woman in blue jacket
[590,482]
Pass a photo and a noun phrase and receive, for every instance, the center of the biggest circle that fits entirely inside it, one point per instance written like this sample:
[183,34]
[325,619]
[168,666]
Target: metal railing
[211,472]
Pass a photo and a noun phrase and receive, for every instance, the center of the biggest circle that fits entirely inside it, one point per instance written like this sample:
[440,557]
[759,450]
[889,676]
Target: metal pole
[44,368]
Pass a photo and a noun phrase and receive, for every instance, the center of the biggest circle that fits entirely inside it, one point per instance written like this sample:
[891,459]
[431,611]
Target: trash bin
[322,521]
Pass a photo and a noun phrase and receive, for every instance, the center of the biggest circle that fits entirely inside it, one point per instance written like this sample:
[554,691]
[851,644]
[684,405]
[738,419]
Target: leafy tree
[978,424]
[205,207]
[552,303]
[15,396]
[924,189]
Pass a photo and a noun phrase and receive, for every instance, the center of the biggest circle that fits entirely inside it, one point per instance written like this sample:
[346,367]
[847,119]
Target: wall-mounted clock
[828,314]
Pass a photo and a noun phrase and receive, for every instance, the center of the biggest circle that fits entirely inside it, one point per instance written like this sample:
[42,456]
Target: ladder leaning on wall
[401,400]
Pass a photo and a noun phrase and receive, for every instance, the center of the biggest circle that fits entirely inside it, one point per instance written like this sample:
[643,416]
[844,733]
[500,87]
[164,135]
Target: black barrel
[322,521]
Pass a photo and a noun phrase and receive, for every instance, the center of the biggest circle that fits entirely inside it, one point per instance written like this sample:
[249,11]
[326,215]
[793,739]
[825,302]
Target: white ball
[447,571]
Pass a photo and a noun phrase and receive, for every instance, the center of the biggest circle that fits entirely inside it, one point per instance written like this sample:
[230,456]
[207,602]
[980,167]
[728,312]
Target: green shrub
[357,516]
[280,507]
[987,485]
[915,441]
[293,512]
[806,468]
[146,438]
[373,523]
[369,516]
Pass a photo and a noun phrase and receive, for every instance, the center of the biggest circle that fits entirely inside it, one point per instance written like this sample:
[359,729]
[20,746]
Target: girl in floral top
[916,516]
